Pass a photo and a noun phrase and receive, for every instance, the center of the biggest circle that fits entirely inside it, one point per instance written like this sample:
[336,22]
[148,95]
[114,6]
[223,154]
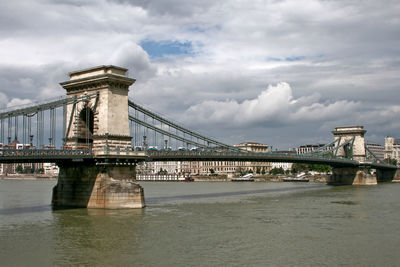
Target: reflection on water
[164,199]
[205,224]
[19,210]
[346,202]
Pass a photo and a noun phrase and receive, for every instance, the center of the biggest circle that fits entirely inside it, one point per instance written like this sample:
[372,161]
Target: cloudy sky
[284,73]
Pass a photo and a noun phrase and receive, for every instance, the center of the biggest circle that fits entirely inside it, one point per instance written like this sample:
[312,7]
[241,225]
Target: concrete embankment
[28,177]
[257,178]
[197,178]
[279,178]
[211,178]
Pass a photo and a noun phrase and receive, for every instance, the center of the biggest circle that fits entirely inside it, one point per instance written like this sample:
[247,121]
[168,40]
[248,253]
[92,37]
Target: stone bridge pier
[87,185]
[351,176]
[102,125]
[388,175]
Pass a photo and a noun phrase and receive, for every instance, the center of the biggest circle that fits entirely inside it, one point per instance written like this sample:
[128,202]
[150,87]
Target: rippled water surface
[206,224]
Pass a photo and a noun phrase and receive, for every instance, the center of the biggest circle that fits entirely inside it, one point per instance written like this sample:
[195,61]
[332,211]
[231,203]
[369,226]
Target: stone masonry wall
[91,186]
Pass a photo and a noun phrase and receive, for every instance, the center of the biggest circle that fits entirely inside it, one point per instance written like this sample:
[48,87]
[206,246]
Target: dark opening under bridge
[102,135]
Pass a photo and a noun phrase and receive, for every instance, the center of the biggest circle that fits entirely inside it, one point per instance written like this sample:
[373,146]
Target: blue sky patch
[295,58]
[291,59]
[164,48]
[196,29]
[273,59]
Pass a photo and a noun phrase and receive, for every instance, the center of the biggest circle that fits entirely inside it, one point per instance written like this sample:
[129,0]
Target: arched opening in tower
[86,125]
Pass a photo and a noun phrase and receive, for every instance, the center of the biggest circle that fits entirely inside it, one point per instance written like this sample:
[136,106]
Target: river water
[206,224]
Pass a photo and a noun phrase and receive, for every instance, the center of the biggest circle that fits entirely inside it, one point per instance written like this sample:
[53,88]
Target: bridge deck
[246,156]
[57,155]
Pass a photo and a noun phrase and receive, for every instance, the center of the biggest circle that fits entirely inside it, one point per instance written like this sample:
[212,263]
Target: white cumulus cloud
[273,106]
[15,102]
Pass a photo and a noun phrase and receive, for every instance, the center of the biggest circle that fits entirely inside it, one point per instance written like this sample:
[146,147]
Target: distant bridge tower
[355,148]
[102,120]
[350,144]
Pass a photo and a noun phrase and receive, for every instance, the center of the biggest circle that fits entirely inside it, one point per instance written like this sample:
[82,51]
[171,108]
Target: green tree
[321,168]
[19,169]
[276,171]
[28,170]
[162,172]
[241,171]
[390,161]
[39,170]
[299,167]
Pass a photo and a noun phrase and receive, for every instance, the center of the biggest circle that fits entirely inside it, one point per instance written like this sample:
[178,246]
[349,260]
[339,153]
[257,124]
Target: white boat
[299,178]
[245,178]
[164,178]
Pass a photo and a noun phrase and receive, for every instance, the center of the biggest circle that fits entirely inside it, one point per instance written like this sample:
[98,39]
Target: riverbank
[197,178]
[28,177]
[257,178]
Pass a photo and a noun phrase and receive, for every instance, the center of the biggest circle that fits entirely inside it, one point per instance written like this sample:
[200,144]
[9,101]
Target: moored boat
[293,179]
[164,178]
[189,179]
[299,178]
[246,178]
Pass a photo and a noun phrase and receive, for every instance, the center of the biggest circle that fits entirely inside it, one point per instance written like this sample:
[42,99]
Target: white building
[392,148]
[304,149]
[171,167]
[11,168]
[51,169]
[284,165]
[253,147]
[376,149]
[145,167]
[209,167]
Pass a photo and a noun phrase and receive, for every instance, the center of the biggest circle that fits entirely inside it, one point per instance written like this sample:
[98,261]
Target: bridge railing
[238,154]
[44,152]
[121,151]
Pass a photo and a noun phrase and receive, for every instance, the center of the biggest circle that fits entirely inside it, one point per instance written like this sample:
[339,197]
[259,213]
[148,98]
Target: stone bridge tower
[356,148]
[101,120]
[101,123]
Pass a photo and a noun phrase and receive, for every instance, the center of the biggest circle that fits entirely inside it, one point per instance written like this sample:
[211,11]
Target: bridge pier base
[351,176]
[91,186]
[388,175]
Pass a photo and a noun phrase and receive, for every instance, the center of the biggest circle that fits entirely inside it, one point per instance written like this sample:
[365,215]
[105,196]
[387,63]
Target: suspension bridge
[97,135]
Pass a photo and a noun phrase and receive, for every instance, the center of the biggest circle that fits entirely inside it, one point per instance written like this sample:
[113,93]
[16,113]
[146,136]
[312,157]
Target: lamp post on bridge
[144,142]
